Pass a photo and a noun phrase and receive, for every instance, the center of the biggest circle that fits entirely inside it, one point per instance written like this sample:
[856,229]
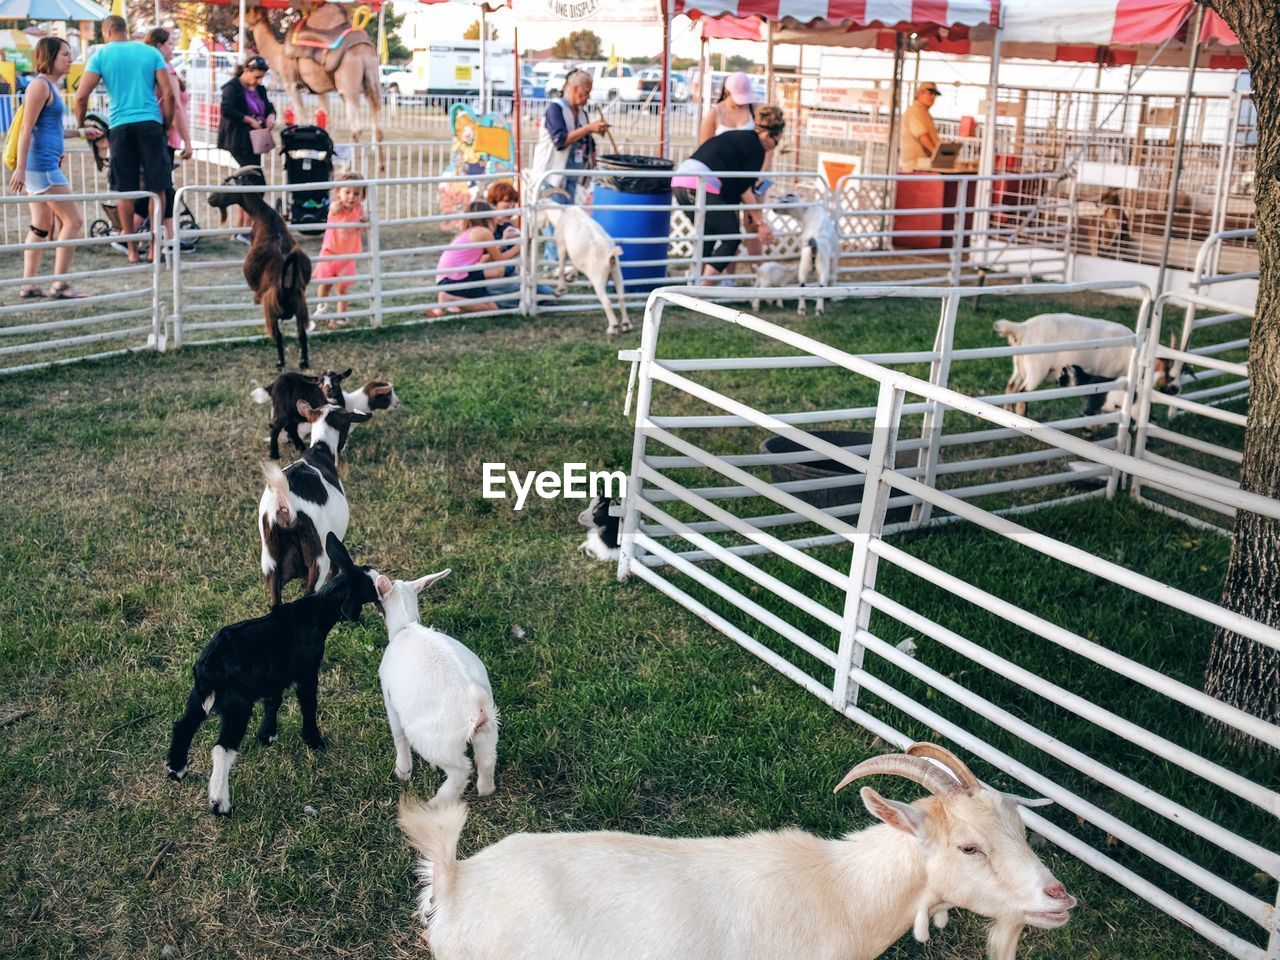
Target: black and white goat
[304,503]
[784,893]
[284,393]
[276,268]
[260,659]
[287,389]
[602,541]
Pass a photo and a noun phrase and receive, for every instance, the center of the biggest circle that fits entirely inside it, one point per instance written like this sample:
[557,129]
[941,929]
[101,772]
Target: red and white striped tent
[1106,31]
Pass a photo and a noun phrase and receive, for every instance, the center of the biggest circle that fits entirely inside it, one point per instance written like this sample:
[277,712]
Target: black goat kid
[259,659]
[276,268]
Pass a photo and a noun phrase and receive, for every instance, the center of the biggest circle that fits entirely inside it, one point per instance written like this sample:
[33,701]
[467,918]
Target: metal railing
[126,314]
[388,282]
[819,610]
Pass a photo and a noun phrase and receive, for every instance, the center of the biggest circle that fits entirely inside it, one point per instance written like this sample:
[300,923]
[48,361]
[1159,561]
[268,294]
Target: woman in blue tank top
[39,170]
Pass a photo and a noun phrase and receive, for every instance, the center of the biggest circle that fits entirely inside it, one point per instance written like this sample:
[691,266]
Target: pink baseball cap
[740,89]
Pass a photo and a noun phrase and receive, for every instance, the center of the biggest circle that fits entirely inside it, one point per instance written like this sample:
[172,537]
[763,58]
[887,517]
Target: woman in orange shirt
[346,205]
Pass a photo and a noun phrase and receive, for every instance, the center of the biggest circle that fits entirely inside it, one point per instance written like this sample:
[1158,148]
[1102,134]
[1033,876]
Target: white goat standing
[610,896]
[437,695]
[819,248]
[1032,369]
[594,255]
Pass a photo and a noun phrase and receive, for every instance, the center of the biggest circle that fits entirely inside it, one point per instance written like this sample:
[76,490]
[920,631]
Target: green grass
[128,538]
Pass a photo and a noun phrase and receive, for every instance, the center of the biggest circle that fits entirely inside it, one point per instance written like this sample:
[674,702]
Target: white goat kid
[609,896]
[593,254]
[775,275]
[437,695]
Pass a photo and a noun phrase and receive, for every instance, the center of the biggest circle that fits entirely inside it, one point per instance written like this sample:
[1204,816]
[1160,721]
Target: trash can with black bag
[649,230]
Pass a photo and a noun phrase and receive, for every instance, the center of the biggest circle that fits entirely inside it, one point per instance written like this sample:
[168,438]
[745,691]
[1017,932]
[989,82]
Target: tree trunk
[1242,672]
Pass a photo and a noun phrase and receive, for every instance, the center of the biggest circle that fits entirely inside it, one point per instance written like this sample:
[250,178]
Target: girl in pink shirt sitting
[461,265]
[346,205]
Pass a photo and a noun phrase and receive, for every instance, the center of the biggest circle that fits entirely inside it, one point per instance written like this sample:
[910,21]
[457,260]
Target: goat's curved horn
[934,779]
[1027,801]
[968,781]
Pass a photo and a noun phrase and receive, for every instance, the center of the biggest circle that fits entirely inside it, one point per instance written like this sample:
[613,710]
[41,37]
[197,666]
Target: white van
[453,69]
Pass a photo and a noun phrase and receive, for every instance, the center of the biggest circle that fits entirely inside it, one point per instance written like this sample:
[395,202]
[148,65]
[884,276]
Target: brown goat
[276,268]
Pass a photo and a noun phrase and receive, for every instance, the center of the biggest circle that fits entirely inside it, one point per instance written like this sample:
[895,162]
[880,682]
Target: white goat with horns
[600,896]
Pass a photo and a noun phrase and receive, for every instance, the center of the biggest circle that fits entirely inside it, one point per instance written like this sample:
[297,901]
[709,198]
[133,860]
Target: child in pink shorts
[346,205]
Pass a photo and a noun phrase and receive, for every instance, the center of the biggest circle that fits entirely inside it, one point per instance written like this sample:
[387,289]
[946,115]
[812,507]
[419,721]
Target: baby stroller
[308,158]
[109,224]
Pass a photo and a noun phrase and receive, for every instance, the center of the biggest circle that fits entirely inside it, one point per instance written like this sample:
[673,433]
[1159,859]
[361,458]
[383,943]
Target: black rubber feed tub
[630,161]
[822,468]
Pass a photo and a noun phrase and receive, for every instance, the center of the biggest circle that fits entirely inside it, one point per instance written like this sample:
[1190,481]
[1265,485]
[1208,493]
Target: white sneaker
[320,308]
[242,238]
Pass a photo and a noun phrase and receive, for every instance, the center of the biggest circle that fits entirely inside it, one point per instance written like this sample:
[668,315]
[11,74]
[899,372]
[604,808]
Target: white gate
[817,606]
[125,317]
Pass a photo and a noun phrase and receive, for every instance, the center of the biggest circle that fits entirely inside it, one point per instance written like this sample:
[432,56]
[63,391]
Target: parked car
[651,80]
[204,72]
[620,82]
[555,82]
[533,86]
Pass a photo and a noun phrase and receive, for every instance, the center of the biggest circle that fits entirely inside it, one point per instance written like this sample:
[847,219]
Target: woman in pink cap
[736,110]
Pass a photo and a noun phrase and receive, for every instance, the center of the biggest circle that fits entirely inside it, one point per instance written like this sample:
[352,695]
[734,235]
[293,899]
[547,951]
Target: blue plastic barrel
[627,192]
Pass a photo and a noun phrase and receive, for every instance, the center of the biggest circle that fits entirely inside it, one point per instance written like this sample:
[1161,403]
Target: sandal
[31,292]
[61,290]
[338,323]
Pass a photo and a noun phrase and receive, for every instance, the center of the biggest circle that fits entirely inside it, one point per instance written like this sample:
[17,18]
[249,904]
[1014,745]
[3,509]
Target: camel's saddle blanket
[325,44]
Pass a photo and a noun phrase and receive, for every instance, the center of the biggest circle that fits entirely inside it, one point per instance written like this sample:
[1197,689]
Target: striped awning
[1099,23]
[885,12]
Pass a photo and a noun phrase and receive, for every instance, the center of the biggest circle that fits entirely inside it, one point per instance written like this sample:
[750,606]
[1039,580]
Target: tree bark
[1242,672]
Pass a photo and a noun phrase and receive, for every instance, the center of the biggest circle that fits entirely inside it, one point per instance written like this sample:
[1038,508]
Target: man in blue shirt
[142,99]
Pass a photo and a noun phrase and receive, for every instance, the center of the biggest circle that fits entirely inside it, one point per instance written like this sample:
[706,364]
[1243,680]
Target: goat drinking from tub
[304,503]
[593,254]
[609,896]
[260,659]
[437,695]
[276,268]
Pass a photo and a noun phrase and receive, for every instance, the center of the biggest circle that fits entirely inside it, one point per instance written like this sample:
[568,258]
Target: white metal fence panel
[1202,433]
[122,315]
[819,596]
[395,275]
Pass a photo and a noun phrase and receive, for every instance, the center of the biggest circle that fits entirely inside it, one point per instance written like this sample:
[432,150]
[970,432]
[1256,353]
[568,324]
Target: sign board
[834,166]
[1004,108]
[828,127]
[1122,175]
[578,11]
[835,95]
[462,73]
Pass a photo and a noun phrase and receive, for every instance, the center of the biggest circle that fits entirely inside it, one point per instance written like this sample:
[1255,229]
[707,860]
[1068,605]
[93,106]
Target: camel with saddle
[324,52]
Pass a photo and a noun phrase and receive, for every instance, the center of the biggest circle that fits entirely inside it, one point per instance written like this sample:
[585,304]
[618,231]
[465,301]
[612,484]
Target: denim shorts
[41,181]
